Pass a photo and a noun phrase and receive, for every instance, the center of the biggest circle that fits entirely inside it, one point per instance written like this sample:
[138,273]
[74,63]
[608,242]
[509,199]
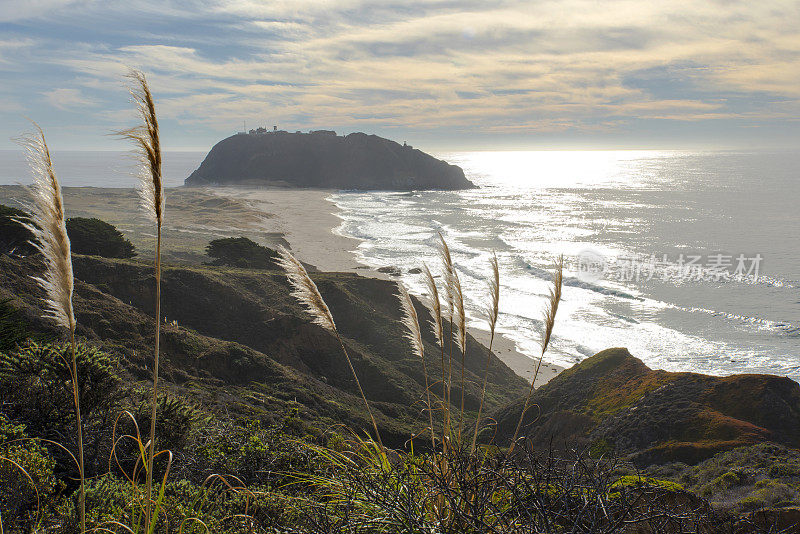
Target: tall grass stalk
[48,226]
[448,271]
[549,322]
[146,139]
[461,341]
[305,290]
[435,307]
[492,311]
[414,335]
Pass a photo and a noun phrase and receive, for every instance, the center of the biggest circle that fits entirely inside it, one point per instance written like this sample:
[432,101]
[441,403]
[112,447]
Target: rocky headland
[324,160]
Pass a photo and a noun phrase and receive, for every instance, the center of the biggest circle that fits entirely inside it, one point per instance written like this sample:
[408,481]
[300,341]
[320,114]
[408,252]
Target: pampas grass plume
[549,322]
[494,295]
[410,321]
[461,316]
[435,305]
[493,310]
[449,270]
[146,138]
[305,290]
[414,335]
[47,224]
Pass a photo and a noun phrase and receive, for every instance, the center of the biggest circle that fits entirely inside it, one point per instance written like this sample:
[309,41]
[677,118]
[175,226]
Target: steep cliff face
[614,399]
[323,160]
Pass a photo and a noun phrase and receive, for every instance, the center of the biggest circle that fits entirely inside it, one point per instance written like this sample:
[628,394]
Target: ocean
[688,259]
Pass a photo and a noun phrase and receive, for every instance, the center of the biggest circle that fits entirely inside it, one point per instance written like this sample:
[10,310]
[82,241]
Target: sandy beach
[306,219]
[302,219]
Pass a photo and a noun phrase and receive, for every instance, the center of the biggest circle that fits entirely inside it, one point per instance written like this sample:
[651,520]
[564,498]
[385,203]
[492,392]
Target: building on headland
[262,131]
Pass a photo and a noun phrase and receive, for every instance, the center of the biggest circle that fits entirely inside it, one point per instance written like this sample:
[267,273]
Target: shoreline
[308,220]
[303,219]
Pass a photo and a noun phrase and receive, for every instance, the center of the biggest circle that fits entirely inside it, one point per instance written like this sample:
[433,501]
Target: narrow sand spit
[307,219]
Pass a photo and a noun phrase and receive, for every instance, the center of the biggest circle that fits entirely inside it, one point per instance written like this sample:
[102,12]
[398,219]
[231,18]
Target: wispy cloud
[67,99]
[505,67]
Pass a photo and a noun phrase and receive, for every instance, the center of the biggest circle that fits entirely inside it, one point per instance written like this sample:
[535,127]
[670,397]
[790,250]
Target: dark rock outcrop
[322,160]
[657,416]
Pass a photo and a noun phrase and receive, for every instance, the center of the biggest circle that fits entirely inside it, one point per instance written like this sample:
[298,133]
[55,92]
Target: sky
[440,74]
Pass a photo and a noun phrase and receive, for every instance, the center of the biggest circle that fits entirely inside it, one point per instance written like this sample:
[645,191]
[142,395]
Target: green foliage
[26,476]
[94,237]
[635,481]
[256,454]
[241,252]
[748,478]
[176,419]
[36,390]
[218,504]
[14,238]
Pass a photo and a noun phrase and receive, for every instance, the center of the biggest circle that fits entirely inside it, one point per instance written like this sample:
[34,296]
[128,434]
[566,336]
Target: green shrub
[35,389]
[783,470]
[241,252]
[186,504]
[768,493]
[255,454]
[97,238]
[636,481]
[175,420]
[20,494]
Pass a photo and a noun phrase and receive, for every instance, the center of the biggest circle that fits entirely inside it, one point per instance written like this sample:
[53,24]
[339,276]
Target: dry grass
[492,312]
[305,290]
[414,335]
[146,139]
[549,322]
[435,305]
[48,226]
[449,273]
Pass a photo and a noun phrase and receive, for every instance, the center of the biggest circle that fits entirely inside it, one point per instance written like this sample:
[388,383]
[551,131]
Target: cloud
[67,99]
[16,11]
[422,65]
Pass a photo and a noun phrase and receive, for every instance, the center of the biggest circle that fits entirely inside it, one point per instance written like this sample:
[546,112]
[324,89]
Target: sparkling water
[640,216]
[669,230]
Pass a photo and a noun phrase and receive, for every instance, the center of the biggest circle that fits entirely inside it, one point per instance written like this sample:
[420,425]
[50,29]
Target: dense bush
[14,238]
[26,477]
[35,390]
[241,252]
[97,238]
[459,492]
[748,478]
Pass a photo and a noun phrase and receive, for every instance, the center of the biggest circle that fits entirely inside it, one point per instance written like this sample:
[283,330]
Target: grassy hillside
[237,341]
[614,402]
